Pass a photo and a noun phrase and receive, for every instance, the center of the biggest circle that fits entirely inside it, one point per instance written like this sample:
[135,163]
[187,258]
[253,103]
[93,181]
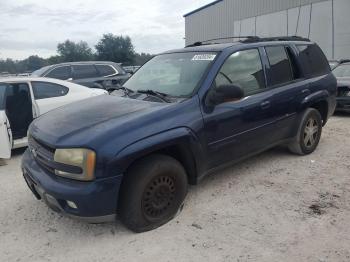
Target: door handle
[265,104]
[306,91]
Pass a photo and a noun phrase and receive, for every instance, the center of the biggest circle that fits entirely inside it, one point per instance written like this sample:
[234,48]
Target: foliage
[142,58]
[71,52]
[114,48]
[117,49]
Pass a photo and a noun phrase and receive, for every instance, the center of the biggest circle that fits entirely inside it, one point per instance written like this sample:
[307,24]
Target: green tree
[32,63]
[114,48]
[142,58]
[55,59]
[8,66]
[70,51]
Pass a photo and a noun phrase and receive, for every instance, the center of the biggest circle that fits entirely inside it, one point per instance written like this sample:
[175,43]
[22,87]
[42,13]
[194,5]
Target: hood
[86,118]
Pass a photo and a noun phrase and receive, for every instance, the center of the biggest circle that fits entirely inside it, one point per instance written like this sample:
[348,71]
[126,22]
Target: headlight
[75,163]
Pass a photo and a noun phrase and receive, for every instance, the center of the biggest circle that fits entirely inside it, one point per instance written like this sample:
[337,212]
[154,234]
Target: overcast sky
[36,26]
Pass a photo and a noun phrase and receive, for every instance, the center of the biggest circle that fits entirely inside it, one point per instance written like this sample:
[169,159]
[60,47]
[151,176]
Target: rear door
[5,130]
[85,74]
[285,79]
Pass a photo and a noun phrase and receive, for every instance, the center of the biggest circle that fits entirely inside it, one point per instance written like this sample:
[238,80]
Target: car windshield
[40,71]
[2,95]
[175,74]
[342,71]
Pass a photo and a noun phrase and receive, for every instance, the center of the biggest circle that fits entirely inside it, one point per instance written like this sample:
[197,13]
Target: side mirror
[224,93]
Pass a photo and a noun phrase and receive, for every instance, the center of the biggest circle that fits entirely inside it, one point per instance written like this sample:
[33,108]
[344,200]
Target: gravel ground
[272,207]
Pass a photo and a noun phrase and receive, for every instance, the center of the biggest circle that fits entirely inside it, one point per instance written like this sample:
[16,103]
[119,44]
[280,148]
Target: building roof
[201,8]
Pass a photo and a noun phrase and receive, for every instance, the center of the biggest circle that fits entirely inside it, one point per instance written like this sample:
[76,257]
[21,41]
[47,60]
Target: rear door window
[62,72]
[44,90]
[280,65]
[314,61]
[84,71]
[106,70]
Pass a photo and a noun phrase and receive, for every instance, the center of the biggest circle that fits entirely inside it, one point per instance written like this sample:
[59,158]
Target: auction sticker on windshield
[204,57]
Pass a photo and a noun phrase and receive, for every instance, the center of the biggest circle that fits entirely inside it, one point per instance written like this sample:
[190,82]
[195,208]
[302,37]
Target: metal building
[326,22]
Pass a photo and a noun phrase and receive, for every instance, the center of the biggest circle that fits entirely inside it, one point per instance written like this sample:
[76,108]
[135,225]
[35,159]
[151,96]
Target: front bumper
[343,104]
[95,201]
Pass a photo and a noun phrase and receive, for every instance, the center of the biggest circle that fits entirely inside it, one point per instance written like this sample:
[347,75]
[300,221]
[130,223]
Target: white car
[23,99]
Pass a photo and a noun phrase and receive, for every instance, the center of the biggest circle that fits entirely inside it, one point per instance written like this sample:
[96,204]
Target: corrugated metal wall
[217,20]
[323,21]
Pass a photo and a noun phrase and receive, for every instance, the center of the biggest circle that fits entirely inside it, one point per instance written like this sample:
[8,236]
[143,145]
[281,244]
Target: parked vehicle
[24,99]
[131,69]
[333,63]
[342,73]
[183,115]
[96,74]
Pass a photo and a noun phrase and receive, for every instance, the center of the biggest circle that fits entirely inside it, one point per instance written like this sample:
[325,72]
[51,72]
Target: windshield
[40,71]
[174,74]
[2,95]
[342,71]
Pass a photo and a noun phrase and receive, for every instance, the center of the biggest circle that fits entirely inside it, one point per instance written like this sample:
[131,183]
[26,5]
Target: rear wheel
[152,192]
[309,133]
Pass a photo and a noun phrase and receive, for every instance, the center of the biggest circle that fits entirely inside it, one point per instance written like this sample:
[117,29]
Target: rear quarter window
[313,60]
[44,90]
[106,70]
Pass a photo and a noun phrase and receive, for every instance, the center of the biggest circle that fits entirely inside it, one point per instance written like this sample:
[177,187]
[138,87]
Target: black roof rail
[208,42]
[251,39]
[343,61]
[279,38]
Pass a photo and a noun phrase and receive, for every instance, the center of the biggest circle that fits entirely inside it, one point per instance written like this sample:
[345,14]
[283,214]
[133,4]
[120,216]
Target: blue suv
[183,115]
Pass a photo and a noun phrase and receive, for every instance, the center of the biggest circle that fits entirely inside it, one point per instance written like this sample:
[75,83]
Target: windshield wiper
[163,96]
[126,90]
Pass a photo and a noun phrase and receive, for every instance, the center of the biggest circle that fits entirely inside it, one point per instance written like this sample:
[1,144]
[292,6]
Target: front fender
[183,137]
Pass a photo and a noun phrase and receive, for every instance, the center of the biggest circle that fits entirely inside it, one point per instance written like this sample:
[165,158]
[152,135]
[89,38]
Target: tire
[309,133]
[152,192]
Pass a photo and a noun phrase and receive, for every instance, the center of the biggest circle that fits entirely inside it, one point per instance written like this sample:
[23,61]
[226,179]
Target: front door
[237,128]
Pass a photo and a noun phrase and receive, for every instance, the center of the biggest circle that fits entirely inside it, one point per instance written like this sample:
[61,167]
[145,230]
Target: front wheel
[309,133]
[152,192]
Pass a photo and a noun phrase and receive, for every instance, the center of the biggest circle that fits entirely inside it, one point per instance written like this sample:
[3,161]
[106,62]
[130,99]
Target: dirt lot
[273,207]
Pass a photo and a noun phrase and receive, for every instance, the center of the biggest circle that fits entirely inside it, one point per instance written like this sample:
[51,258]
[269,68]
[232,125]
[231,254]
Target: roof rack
[208,42]
[251,39]
[281,38]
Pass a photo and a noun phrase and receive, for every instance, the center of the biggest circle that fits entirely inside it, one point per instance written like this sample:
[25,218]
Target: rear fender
[314,98]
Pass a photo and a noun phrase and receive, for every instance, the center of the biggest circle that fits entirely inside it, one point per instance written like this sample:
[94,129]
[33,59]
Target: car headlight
[75,163]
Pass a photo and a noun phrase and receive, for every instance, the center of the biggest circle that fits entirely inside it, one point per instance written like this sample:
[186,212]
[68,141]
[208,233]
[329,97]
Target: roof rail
[208,42]
[251,39]
[278,38]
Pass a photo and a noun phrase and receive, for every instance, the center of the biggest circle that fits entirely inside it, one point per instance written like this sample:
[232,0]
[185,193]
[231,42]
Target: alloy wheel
[311,132]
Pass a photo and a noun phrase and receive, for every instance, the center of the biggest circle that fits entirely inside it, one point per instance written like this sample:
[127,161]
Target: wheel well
[181,154]
[321,107]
